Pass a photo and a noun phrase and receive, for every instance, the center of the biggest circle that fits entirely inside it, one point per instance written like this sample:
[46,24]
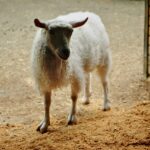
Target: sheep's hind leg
[87,89]
[43,126]
[103,72]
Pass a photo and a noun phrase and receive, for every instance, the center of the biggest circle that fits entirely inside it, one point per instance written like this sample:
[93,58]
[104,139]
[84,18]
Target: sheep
[66,50]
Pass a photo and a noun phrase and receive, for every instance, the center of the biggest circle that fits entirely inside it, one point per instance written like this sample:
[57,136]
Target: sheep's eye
[68,33]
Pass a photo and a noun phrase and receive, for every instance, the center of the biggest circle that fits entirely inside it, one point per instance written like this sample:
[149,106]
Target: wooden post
[146,39]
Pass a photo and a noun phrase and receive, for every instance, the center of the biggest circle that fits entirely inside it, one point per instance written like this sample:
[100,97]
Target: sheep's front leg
[46,121]
[75,87]
[72,115]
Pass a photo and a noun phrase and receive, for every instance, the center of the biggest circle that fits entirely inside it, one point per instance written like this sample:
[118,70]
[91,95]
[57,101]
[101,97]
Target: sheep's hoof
[72,120]
[85,101]
[106,107]
[42,128]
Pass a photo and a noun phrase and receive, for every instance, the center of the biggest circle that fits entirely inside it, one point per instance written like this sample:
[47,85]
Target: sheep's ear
[40,24]
[78,24]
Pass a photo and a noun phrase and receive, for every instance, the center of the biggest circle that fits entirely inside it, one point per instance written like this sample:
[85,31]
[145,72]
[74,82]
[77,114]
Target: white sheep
[65,50]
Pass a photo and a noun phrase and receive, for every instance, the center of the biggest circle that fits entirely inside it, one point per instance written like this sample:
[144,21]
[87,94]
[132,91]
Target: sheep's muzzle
[64,53]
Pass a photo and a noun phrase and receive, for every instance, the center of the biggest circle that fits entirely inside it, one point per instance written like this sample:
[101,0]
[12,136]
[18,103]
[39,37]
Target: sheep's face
[58,41]
[59,34]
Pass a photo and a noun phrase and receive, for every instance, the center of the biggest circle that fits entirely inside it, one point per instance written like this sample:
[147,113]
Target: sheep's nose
[64,53]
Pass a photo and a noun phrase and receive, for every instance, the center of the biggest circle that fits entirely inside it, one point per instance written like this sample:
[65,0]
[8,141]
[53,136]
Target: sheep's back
[89,42]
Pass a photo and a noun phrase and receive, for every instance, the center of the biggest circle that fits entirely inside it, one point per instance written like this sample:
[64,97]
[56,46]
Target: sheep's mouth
[63,55]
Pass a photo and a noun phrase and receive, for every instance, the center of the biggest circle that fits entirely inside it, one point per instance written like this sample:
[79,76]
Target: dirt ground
[126,126]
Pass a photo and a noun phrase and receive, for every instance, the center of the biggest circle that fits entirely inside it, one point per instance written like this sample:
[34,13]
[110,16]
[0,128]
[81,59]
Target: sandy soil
[126,126]
[116,129]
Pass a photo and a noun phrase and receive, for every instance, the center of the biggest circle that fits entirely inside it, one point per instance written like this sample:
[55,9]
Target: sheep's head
[59,34]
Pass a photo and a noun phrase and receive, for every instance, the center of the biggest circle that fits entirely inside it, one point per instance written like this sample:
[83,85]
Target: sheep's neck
[54,66]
